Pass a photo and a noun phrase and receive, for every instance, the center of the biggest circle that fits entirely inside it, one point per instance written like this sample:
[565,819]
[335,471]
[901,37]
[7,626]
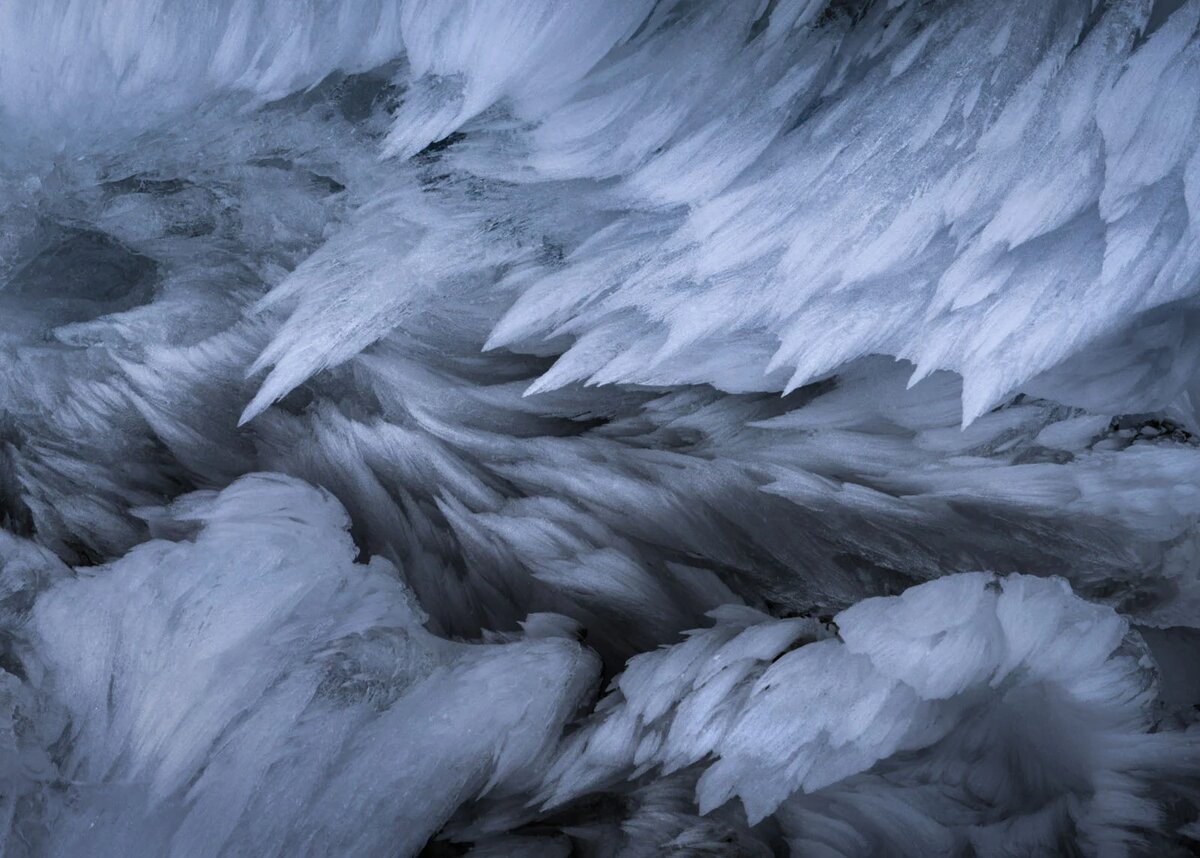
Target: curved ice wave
[245,686]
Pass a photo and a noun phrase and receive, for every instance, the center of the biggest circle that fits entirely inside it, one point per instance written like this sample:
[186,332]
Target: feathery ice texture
[549,427]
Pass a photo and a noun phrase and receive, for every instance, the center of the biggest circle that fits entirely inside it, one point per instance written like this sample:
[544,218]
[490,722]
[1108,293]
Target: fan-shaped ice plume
[211,683]
[646,298]
[466,57]
[947,193]
[974,713]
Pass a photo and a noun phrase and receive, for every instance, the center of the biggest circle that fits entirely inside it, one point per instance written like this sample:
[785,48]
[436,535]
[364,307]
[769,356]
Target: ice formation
[566,427]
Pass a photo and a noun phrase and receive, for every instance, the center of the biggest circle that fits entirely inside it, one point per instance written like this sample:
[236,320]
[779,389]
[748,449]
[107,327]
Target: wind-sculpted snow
[539,428]
[210,684]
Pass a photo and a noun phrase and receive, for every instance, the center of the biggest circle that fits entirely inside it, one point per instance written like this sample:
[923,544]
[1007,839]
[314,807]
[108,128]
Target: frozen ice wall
[599,427]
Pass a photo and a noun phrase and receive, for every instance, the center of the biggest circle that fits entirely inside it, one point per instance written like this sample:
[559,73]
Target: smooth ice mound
[537,428]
